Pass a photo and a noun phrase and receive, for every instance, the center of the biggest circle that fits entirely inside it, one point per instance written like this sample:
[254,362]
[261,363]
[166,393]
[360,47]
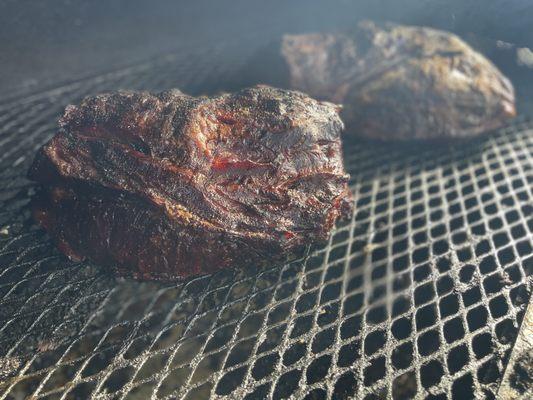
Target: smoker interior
[421,294]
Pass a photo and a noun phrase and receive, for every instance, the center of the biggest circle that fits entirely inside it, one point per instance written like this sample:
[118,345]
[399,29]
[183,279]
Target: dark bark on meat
[395,82]
[166,186]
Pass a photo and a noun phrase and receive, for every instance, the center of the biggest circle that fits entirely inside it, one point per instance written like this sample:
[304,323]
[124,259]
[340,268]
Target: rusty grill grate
[421,294]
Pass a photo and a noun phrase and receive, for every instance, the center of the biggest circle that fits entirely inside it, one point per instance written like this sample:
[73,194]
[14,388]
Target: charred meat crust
[164,186]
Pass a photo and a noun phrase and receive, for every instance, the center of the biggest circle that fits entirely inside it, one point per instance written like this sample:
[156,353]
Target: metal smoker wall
[420,295]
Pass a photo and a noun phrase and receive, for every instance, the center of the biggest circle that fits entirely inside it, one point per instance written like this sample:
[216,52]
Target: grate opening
[420,294]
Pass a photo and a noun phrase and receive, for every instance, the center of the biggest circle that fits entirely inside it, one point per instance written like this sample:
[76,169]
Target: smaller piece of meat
[394,81]
[165,186]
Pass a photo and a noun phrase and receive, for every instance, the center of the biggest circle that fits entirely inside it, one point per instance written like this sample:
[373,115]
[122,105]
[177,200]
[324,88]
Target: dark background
[46,42]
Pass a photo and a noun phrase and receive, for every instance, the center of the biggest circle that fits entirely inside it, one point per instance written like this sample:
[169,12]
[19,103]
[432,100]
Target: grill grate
[420,294]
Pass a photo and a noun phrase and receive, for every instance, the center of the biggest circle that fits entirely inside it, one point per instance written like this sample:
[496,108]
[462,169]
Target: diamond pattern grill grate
[420,295]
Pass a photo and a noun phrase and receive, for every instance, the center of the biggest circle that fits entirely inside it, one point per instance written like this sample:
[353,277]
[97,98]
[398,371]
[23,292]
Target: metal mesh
[420,295]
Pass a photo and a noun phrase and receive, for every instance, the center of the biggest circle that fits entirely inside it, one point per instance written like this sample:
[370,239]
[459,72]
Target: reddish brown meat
[165,186]
[394,81]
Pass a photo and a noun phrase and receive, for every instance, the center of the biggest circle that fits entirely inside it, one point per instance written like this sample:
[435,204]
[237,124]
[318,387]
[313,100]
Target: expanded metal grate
[420,295]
